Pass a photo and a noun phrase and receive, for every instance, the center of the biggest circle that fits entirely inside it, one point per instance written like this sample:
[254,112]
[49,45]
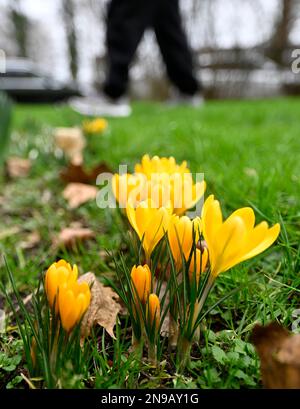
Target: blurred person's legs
[176,52]
[127,21]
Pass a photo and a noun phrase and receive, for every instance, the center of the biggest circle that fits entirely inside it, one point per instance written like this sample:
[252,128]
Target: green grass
[249,152]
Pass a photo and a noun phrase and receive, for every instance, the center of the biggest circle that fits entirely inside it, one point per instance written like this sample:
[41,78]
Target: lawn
[249,153]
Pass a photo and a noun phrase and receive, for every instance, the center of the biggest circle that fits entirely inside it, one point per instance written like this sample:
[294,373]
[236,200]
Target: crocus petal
[130,211]
[269,238]
[229,244]
[247,215]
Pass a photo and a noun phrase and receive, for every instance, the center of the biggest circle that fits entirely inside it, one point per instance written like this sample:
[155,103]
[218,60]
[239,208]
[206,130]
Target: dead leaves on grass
[279,353]
[70,236]
[17,167]
[77,173]
[104,307]
[77,194]
[72,142]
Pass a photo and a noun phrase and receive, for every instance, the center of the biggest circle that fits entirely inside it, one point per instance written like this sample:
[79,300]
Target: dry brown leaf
[32,239]
[17,167]
[78,193]
[78,174]
[69,236]
[72,142]
[279,353]
[104,307]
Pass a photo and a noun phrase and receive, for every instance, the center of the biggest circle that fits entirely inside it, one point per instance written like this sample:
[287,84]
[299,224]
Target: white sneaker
[100,106]
[195,101]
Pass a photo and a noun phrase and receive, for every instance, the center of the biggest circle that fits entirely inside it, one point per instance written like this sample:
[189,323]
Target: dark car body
[23,82]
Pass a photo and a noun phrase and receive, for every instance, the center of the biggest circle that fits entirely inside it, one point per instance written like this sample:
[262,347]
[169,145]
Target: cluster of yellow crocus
[209,244]
[161,179]
[69,298]
[94,126]
[228,242]
[142,283]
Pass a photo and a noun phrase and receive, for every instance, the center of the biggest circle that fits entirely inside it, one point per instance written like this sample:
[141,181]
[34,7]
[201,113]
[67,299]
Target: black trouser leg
[174,46]
[126,23]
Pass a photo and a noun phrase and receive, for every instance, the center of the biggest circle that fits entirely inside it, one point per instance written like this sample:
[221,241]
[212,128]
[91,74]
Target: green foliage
[247,150]
[11,350]
[226,362]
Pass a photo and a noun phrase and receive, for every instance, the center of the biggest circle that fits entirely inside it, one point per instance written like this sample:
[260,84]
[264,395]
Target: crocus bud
[154,310]
[74,300]
[58,275]
[141,279]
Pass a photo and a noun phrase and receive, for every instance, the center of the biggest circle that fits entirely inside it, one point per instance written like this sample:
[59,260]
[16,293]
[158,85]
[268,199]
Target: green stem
[148,259]
[173,332]
[136,344]
[152,354]
[202,300]
[184,353]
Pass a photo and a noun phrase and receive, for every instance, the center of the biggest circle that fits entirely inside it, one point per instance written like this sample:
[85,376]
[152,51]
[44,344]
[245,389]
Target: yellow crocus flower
[236,239]
[159,179]
[74,300]
[198,263]
[149,222]
[97,125]
[153,310]
[184,193]
[174,179]
[182,233]
[148,166]
[141,279]
[129,186]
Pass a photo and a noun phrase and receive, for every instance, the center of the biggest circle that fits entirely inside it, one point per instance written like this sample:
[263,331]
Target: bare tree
[20,27]
[69,17]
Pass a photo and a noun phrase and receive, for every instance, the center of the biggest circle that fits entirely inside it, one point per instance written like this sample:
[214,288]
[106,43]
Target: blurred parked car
[23,81]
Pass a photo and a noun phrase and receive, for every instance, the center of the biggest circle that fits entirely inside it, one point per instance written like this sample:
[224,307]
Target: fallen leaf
[69,236]
[279,353]
[78,193]
[72,142]
[32,239]
[78,174]
[17,167]
[104,307]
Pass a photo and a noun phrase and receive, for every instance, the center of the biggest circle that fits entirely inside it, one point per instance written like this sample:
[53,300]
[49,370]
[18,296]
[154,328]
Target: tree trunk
[20,27]
[68,16]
